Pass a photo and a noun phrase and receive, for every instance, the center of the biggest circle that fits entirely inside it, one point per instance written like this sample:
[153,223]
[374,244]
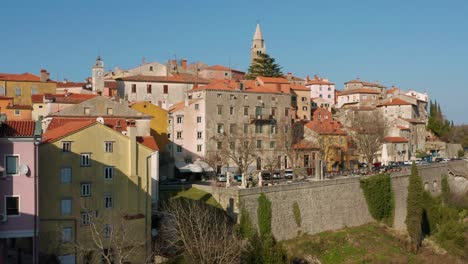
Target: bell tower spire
[258,44]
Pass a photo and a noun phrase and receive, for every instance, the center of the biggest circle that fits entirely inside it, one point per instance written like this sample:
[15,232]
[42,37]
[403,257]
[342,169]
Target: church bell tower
[98,76]
[258,44]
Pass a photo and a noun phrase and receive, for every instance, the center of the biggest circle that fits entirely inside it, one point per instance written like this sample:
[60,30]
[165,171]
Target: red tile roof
[62,131]
[395,101]
[148,141]
[118,124]
[304,144]
[70,84]
[395,139]
[27,77]
[359,91]
[249,86]
[299,87]
[273,79]
[69,98]
[177,78]
[177,106]
[221,68]
[318,81]
[403,128]
[5,98]
[22,107]
[24,128]
[393,90]
[323,123]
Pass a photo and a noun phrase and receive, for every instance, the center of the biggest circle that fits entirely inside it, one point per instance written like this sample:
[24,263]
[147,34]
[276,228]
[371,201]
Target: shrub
[297,214]
[246,229]
[264,215]
[414,208]
[445,189]
[379,197]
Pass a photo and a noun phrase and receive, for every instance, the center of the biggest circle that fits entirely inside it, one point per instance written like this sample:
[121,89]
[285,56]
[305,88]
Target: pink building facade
[18,189]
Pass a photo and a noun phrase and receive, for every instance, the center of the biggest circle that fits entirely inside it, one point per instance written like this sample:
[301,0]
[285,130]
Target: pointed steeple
[258,33]
[258,44]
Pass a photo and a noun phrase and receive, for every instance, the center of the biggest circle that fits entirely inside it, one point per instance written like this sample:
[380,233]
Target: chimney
[184,64]
[131,133]
[45,76]
[289,76]
[307,78]
[65,80]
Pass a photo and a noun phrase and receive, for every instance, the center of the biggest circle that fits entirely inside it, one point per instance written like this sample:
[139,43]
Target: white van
[288,174]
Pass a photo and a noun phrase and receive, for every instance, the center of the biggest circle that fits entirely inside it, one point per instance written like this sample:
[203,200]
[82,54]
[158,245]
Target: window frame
[5,162]
[6,206]
[83,192]
[106,176]
[61,206]
[65,150]
[62,175]
[88,164]
[70,238]
[111,149]
[106,205]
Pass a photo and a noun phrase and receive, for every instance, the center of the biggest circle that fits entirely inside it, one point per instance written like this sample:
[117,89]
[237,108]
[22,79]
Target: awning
[204,166]
[184,167]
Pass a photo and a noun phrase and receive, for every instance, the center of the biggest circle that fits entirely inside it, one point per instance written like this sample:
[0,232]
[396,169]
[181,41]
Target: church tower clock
[98,76]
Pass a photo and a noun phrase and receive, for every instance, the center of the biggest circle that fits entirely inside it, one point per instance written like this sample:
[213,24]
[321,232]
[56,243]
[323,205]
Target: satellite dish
[100,120]
[23,169]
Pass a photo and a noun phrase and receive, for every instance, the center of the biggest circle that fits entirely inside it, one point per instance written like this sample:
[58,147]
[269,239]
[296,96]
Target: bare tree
[367,129]
[238,146]
[200,233]
[290,134]
[110,238]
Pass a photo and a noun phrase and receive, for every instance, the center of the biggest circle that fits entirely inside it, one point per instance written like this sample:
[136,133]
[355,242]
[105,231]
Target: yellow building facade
[159,124]
[95,191]
[21,91]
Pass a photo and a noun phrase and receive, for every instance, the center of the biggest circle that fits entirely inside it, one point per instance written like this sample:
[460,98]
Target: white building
[321,88]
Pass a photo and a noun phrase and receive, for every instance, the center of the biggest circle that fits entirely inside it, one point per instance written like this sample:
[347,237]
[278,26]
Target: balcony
[262,118]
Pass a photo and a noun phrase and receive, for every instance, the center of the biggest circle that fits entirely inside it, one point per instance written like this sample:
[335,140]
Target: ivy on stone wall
[379,197]
[414,208]
[264,215]
[297,214]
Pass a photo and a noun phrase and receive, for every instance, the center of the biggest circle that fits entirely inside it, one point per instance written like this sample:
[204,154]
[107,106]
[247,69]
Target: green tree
[264,65]
[264,215]
[414,208]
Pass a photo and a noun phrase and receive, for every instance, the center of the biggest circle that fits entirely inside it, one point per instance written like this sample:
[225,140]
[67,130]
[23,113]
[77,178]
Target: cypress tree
[414,208]
[265,66]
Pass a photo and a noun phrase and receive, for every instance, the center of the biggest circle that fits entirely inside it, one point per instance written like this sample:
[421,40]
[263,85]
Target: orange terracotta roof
[27,77]
[395,139]
[299,87]
[359,91]
[365,83]
[220,68]
[177,106]
[177,78]
[23,128]
[62,131]
[118,124]
[69,98]
[273,79]
[148,141]
[304,144]
[37,98]
[319,81]
[22,107]
[393,90]
[395,101]
[70,84]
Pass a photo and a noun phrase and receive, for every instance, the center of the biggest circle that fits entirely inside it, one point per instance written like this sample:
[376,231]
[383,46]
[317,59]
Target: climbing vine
[379,197]
[297,214]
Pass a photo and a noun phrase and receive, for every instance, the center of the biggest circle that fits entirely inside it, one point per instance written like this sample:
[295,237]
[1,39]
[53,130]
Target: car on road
[221,178]
[288,174]
[237,177]
[266,176]
[276,175]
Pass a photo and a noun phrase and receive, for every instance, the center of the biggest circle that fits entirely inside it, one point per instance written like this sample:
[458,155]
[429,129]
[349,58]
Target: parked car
[276,175]
[221,178]
[170,181]
[288,174]
[266,176]
[238,178]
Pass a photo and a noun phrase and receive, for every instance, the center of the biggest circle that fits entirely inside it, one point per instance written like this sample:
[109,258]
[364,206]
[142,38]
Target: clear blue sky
[415,44]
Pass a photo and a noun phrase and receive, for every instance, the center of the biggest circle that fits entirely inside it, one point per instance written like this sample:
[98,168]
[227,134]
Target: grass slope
[192,193]
[370,243]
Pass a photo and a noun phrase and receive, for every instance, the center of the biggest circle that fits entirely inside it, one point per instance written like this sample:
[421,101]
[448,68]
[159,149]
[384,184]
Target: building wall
[303,104]
[176,92]
[21,185]
[326,91]
[27,90]
[129,188]
[159,124]
[18,114]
